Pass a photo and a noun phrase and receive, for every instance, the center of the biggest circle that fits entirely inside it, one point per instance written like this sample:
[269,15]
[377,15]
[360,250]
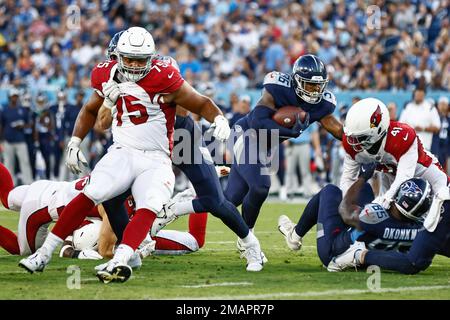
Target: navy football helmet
[413,198]
[309,78]
[111,53]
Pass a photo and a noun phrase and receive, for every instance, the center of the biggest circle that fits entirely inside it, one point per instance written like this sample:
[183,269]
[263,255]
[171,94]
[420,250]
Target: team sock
[8,241]
[138,228]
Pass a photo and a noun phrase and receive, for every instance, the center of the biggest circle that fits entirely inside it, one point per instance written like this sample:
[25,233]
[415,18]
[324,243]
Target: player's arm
[349,173]
[107,238]
[349,208]
[191,100]
[406,168]
[85,122]
[261,118]
[87,116]
[333,126]
[104,119]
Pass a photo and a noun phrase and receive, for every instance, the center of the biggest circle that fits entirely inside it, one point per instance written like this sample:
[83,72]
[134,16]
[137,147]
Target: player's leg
[113,175]
[236,188]
[210,198]
[8,241]
[117,213]
[258,190]
[24,163]
[331,238]
[149,199]
[6,185]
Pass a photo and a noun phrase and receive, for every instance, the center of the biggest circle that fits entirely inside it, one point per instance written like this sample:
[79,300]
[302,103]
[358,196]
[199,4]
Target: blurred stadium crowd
[50,46]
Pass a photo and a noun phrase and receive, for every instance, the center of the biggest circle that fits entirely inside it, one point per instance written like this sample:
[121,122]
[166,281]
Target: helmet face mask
[134,68]
[413,199]
[303,86]
[359,142]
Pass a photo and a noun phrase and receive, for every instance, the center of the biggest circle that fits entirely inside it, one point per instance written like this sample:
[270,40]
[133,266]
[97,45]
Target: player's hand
[366,170]
[300,126]
[383,201]
[74,156]
[89,254]
[111,91]
[221,128]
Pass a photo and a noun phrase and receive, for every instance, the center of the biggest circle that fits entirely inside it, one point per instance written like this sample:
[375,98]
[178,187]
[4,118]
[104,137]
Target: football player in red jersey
[370,136]
[144,112]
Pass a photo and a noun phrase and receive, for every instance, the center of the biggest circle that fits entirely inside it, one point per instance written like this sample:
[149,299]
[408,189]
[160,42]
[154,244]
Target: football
[286,116]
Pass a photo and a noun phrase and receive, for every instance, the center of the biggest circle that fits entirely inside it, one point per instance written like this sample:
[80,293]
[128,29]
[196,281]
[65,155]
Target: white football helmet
[135,43]
[366,123]
[87,236]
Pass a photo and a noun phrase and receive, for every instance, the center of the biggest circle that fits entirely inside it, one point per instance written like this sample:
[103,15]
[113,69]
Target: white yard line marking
[220,284]
[280,295]
[221,242]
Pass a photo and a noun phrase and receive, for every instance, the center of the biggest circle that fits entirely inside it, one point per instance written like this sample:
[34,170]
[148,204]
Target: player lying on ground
[412,203]
[40,203]
[376,229]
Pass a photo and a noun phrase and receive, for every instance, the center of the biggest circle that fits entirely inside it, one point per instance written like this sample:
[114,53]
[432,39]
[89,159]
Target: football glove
[74,156]
[383,201]
[300,126]
[221,128]
[366,170]
[111,91]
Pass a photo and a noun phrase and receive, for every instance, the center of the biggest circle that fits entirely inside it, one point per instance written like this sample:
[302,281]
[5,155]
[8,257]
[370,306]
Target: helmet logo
[410,186]
[375,118]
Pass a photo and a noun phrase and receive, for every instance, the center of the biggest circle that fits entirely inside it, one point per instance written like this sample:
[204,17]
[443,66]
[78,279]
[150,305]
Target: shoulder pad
[373,213]
[328,96]
[277,78]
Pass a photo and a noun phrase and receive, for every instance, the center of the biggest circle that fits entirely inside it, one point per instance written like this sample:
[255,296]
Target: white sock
[182,208]
[51,242]
[250,238]
[123,253]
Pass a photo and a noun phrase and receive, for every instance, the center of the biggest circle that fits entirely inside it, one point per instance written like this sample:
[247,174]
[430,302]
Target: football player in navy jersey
[344,230]
[401,227]
[304,88]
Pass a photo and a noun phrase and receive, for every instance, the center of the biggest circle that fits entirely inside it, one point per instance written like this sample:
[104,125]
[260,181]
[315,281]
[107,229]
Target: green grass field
[216,272]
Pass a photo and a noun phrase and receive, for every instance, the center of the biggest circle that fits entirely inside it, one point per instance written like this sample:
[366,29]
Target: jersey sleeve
[400,138]
[349,173]
[329,100]
[170,78]
[275,81]
[99,75]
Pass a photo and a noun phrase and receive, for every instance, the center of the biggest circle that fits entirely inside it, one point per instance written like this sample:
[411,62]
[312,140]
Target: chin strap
[432,219]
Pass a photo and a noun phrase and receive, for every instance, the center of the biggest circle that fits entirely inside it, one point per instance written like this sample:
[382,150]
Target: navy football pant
[332,236]
[247,186]
[210,197]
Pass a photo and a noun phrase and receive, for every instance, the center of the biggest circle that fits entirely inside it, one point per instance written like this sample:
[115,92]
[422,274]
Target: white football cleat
[254,257]
[287,229]
[147,249]
[115,271]
[185,195]
[347,259]
[36,262]
[241,248]
[135,261]
[164,217]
